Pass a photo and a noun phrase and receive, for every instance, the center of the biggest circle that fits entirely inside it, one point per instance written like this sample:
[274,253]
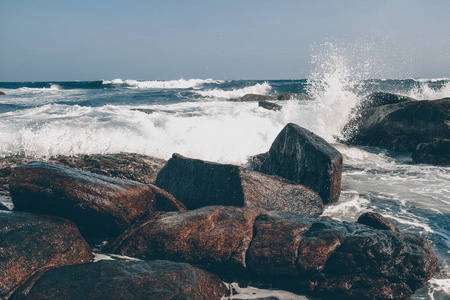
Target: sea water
[196,118]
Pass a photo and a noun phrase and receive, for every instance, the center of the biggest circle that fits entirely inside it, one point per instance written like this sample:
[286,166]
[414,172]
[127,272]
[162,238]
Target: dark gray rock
[435,153]
[379,99]
[2,93]
[119,279]
[301,156]
[198,183]
[269,105]
[31,244]
[401,126]
[254,98]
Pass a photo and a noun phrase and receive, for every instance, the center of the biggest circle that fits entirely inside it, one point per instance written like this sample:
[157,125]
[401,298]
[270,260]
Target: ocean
[196,118]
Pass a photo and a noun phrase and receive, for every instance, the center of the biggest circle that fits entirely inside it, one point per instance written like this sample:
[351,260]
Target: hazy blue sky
[88,40]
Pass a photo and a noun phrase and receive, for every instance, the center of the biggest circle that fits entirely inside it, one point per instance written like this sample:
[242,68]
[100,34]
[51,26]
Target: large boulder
[198,183]
[215,237]
[100,206]
[324,257]
[31,244]
[303,157]
[254,98]
[119,279]
[380,98]
[400,126]
[435,153]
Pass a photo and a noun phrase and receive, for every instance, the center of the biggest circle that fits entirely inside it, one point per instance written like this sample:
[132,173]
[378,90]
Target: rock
[435,153]
[101,206]
[401,126]
[299,155]
[165,201]
[319,256]
[269,105]
[118,279]
[377,221]
[214,237]
[3,207]
[287,96]
[379,99]
[198,183]
[31,244]
[255,98]
[2,93]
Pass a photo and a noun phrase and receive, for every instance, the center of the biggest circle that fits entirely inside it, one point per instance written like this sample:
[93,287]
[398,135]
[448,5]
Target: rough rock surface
[380,98]
[324,257]
[198,183]
[255,98]
[435,153]
[100,206]
[31,244]
[303,157]
[269,105]
[120,279]
[401,126]
[216,237]
[287,96]
[376,221]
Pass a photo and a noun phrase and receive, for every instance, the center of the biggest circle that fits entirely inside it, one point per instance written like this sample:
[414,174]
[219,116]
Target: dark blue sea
[196,118]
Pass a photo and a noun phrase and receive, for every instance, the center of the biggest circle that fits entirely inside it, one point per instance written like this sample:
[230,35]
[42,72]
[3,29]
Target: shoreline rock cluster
[194,223]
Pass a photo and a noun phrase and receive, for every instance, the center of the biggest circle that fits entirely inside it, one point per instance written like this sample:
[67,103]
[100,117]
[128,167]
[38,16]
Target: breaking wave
[163,84]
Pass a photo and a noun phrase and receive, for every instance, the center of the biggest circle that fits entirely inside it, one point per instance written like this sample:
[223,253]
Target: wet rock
[31,244]
[2,93]
[287,96]
[401,126]
[303,157]
[100,206]
[269,105]
[120,279]
[165,201]
[435,153]
[380,98]
[377,221]
[3,207]
[255,98]
[198,183]
[214,237]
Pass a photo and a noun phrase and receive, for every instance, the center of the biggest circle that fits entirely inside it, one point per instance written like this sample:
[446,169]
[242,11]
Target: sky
[64,40]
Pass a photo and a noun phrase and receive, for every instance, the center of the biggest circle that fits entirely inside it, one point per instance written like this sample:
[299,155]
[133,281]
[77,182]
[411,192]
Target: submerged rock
[118,279]
[31,244]
[303,157]
[269,105]
[255,98]
[198,183]
[401,126]
[435,153]
[319,256]
[100,206]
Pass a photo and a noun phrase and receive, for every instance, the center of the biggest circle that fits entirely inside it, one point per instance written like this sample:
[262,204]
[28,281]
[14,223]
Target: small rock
[198,183]
[269,105]
[299,155]
[31,244]
[2,93]
[376,221]
[118,279]
[255,98]
[435,153]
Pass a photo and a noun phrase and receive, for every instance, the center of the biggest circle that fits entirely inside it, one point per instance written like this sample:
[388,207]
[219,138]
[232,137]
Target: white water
[259,88]
[167,84]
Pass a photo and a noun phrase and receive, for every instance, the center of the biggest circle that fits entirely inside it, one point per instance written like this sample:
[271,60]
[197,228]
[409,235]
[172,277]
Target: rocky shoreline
[192,223]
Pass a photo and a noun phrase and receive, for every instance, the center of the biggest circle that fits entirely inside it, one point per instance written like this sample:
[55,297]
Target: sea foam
[259,88]
[163,84]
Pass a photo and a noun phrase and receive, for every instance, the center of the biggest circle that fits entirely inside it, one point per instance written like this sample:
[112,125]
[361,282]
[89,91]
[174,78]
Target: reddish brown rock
[165,201]
[120,279]
[215,237]
[255,97]
[299,155]
[100,206]
[31,244]
[376,221]
[198,183]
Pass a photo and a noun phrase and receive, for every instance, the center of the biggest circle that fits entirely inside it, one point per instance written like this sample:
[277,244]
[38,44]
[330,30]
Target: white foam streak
[164,84]
[259,88]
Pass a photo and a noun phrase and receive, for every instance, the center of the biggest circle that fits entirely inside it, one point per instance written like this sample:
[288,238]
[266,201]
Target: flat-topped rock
[119,279]
[31,244]
[198,183]
[101,206]
[301,156]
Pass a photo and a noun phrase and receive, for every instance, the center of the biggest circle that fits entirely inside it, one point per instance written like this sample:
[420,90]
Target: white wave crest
[259,88]
[163,84]
[53,87]
[423,91]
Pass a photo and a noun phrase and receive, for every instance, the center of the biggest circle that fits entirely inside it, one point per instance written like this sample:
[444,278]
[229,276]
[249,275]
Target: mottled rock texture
[435,153]
[377,221]
[31,244]
[269,105]
[198,183]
